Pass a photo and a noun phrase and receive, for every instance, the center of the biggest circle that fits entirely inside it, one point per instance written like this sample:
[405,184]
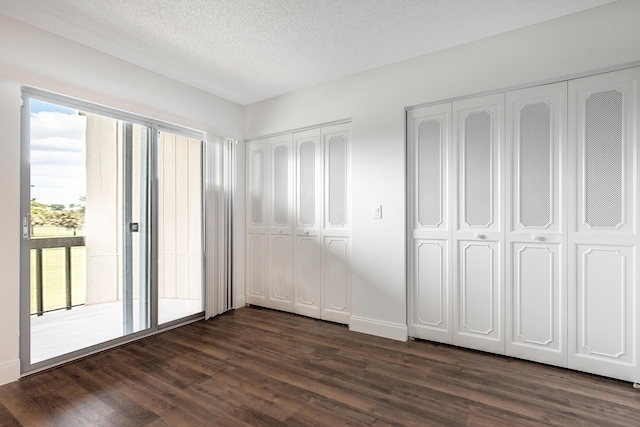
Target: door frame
[153,126]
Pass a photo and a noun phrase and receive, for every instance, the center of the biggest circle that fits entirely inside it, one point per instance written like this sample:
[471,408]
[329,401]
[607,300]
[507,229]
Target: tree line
[57,215]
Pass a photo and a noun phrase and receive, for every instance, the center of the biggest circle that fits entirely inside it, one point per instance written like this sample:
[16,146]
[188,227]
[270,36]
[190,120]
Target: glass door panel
[88,230]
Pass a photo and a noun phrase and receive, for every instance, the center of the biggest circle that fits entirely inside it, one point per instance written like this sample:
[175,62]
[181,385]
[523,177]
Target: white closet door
[308,221]
[603,239]
[336,232]
[478,310]
[428,154]
[257,202]
[280,245]
[536,262]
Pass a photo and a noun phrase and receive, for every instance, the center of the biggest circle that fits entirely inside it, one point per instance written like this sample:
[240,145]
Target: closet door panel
[536,318]
[308,182]
[336,289]
[336,140]
[430,302]
[281,185]
[281,272]
[603,240]
[257,202]
[429,222]
[307,276]
[604,303]
[280,251]
[536,260]
[479,235]
[478,293]
[256,262]
[336,282]
[308,220]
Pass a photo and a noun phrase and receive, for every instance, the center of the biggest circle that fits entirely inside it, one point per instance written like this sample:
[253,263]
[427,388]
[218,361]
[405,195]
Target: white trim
[298,130]
[9,372]
[544,82]
[241,301]
[394,331]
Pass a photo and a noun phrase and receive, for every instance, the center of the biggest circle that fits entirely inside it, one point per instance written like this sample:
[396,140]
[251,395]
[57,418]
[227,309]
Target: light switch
[377,211]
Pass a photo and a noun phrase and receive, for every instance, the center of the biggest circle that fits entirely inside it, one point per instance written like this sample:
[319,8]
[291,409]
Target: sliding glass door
[112,229]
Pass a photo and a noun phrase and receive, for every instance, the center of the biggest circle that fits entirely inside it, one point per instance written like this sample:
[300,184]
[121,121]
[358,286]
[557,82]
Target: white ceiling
[249,50]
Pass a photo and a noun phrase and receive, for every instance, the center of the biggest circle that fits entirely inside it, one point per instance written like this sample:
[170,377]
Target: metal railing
[38,245]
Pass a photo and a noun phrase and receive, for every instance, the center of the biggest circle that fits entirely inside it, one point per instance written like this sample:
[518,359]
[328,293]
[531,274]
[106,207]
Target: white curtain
[219,153]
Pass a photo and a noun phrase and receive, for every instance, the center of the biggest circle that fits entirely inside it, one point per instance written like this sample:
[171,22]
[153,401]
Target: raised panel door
[536,292]
[307,280]
[280,251]
[257,203]
[603,239]
[429,219]
[478,307]
[335,234]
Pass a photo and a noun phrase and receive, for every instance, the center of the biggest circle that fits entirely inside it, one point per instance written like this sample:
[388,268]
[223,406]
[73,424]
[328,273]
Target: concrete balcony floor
[65,331]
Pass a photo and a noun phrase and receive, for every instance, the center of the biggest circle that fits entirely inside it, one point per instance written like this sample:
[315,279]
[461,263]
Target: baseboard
[394,331]
[241,301]
[9,372]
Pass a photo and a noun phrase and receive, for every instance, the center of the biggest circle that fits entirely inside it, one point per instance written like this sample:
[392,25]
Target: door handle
[26,226]
[479,236]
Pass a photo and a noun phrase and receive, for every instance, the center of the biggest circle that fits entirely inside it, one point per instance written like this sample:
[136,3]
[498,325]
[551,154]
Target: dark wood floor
[260,367]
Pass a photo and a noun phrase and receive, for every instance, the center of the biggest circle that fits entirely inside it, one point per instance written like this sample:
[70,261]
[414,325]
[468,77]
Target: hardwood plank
[6,417]
[261,367]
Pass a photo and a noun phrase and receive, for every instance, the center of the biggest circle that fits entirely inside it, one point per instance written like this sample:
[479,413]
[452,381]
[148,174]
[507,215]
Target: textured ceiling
[249,50]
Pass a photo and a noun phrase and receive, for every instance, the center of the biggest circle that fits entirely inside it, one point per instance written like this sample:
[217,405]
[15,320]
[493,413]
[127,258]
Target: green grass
[53,276]
[40,231]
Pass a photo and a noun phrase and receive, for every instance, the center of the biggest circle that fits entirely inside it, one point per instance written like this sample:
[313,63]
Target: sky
[58,171]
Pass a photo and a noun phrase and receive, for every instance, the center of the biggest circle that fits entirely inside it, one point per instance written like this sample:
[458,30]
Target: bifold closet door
[257,202]
[307,280]
[603,239]
[280,234]
[430,249]
[536,290]
[478,309]
[336,232]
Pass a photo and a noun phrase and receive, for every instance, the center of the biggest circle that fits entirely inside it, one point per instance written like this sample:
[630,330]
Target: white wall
[39,59]
[604,37]
[9,229]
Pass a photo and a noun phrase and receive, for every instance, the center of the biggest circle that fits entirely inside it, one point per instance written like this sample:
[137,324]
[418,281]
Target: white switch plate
[377,211]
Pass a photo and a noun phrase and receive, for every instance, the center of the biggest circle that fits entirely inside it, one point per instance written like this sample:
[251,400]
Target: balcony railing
[38,245]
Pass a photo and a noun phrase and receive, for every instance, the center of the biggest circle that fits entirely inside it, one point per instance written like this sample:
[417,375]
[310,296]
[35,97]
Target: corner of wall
[241,301]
